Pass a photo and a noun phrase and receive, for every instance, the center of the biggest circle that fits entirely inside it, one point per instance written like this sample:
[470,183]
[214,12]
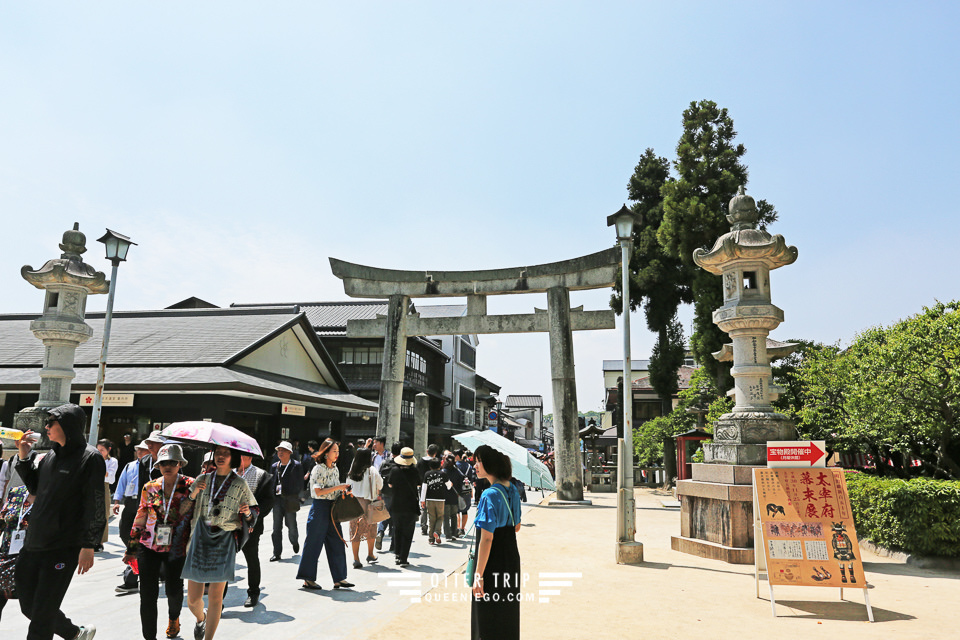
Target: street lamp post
[629,551]
[117,246]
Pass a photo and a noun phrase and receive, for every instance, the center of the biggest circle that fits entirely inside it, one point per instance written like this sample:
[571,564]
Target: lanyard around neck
[213,496]
[167,501]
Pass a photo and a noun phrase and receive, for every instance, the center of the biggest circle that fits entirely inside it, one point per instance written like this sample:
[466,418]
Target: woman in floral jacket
[14,518]
[159,537]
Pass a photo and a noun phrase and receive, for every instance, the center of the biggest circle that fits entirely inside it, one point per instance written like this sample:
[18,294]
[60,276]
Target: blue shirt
[492,511]
[127,484]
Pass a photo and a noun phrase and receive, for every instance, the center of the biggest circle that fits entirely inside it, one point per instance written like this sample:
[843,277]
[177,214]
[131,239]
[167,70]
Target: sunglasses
[168,463]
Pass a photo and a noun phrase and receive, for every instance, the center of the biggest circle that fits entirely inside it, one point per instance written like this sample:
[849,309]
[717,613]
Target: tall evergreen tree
[709,172]
[658,281]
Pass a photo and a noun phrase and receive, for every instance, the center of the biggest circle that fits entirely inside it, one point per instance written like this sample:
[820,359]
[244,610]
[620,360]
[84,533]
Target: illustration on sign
[808,536]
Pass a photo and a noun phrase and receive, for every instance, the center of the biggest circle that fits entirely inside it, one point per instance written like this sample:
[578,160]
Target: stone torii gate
[557,280]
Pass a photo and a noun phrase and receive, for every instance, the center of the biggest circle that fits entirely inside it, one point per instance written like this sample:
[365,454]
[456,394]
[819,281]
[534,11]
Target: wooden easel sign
[804,531]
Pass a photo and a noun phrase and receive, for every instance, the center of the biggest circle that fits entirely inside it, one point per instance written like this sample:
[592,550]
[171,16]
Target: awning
[235,381]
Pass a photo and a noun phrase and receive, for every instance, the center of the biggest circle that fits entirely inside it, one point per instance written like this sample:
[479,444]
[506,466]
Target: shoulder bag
[472,558]
[376,510]
[345,508]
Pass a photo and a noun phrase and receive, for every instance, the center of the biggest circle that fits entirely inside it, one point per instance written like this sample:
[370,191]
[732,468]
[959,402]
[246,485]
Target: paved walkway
[674,595]
[290,611]
[671,595]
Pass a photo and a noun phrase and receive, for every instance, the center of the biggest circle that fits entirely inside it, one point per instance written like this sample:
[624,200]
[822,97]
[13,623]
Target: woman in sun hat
[404,482]
[158,539]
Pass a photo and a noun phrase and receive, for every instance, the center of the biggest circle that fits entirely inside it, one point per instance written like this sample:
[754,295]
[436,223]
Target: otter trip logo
[409,583]
[549,584]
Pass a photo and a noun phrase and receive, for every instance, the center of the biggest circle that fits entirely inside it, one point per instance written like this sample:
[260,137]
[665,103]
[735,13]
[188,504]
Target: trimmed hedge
[920,516]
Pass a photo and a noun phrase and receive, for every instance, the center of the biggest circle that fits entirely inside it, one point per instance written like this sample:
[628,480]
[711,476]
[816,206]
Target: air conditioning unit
[468,418]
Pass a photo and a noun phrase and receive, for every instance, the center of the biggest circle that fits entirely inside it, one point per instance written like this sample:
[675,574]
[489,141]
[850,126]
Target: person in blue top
[495,610]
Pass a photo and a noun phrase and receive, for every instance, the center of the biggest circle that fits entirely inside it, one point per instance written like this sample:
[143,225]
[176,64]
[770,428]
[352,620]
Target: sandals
[310,584]
[343,584]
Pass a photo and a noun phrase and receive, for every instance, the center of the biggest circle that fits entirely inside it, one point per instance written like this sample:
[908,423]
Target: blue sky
[241,144]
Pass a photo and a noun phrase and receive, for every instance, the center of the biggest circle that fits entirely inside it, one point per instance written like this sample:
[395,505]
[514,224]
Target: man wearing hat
[126,494]
[288,483]
[66,522]
[261,485]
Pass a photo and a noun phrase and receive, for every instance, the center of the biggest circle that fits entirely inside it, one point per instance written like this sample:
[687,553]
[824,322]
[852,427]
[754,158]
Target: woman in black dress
[495,610]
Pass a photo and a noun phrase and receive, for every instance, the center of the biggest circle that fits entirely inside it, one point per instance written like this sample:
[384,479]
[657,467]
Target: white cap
[285,445]
[155,437]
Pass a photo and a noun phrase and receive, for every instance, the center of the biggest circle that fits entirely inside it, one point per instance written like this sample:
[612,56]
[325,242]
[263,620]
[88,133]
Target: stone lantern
[67,281]
[716,506]
[745,257]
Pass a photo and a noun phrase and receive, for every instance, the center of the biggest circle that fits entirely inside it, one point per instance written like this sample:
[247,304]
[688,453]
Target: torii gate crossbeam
[557,279]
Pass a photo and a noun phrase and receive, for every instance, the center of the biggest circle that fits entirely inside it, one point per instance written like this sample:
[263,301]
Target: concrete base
[601,488]
[629,552]
[711,550]
[556,502]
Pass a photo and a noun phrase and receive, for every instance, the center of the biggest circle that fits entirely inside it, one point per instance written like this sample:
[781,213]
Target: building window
[468,354]
[406,409]
[361,355]
[466,398]
[416,362]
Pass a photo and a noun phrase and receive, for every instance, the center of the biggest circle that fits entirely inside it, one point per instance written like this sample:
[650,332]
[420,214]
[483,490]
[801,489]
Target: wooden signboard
[804,530]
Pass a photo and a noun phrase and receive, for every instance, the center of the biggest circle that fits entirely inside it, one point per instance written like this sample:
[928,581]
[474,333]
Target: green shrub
[920,516]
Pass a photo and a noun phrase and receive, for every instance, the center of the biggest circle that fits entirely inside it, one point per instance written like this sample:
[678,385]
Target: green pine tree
[709,172]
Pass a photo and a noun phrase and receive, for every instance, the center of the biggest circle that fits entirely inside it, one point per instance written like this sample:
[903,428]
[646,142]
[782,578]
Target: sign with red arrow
[796,453]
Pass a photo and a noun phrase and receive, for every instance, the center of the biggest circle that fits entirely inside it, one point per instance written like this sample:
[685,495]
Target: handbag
[345,508]
[376,511]
[462,503]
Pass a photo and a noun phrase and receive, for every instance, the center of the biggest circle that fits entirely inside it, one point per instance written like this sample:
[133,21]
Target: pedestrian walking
[322,531]
[404,483]
[288,483]
[433,498]
[495,610]
[385,469]
[423,465]
[14,519]
[147,470]
[224,510]
[308,463]
[125,496]
[451,506]
[158,539]
[105,447]
[66,522]
[365,483]
[261,485]
[469,476]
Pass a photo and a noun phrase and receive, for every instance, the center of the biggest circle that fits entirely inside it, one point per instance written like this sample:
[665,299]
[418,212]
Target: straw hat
[406,457]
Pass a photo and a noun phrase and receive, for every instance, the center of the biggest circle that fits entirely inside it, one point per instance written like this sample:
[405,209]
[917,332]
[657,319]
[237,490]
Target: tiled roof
[617,365]
[212,378]
[441,310]
[523,401]
[683,378]
[169,338]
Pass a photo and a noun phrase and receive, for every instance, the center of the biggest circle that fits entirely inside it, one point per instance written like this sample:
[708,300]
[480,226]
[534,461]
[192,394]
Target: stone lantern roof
[745,241]
[69,268]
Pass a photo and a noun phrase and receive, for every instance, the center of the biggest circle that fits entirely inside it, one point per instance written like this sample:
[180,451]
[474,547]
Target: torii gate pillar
[565,416]
[391,374]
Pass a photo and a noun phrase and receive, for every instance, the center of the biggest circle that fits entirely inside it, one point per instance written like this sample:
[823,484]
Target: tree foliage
[894,393]
[658,282]
[709,172]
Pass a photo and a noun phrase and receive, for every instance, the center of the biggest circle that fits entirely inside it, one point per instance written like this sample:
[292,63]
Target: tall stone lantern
[716,506]
[67,281]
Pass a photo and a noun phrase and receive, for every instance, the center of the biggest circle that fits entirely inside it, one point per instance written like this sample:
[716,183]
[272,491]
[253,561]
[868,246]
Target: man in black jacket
[287,476]
[261,484]
[66,522]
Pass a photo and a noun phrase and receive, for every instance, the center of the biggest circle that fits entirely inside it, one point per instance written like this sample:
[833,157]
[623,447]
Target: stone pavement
[674,595]
[290,611]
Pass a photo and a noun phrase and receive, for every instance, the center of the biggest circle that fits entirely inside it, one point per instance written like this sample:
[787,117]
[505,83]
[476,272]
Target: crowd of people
[177,528]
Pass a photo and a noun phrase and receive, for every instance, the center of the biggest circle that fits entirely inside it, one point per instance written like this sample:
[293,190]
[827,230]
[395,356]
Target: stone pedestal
[741,438]
[716,513]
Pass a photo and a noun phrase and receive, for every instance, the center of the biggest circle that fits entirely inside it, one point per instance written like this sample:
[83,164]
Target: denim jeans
[322,533]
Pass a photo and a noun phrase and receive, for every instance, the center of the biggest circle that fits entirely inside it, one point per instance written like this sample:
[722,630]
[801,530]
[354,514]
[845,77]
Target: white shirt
[369,487]
[112,465]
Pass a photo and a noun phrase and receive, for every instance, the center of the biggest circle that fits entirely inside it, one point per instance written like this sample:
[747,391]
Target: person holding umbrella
[158,539]
[224,510]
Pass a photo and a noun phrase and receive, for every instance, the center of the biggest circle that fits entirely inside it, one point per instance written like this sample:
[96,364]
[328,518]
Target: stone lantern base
[716,506]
